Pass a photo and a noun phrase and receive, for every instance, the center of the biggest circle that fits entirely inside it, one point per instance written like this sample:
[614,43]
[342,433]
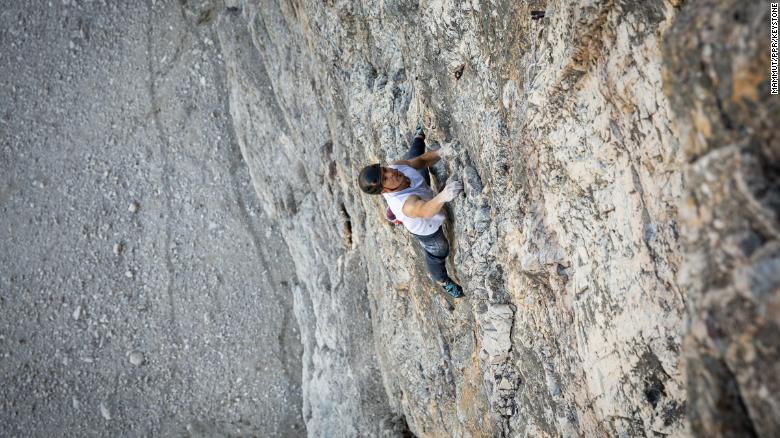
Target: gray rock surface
[568,240]
[143,292]
[731,216]
[548,341]
[617,239]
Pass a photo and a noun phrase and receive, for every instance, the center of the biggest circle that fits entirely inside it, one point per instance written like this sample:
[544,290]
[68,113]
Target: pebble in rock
[133,207]
[118,247]
[136,358]
[104,411]
[77,313]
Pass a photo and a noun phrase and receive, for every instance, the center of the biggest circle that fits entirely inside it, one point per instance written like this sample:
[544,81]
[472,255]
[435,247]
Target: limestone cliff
[621,179]
[718,79]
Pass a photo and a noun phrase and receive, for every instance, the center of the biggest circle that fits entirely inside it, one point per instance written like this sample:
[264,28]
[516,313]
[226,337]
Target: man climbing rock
[405,185]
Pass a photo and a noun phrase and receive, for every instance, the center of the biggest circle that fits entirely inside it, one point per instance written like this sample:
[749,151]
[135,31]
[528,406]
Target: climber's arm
[427,159]
[416,207]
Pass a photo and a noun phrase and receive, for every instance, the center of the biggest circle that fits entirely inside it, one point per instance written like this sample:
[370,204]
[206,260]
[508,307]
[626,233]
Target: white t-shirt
[395,200]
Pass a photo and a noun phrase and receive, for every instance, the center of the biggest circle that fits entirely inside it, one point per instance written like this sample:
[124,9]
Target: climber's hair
[370,179]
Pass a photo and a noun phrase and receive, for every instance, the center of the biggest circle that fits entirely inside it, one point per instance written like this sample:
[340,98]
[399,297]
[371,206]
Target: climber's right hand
[445,151]
[453,189]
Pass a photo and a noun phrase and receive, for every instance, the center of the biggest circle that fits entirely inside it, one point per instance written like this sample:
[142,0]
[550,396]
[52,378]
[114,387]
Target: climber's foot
[452,288]
[419,131]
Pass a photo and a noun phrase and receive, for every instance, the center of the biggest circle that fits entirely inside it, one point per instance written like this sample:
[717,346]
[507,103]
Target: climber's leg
[436,249]
[417,149]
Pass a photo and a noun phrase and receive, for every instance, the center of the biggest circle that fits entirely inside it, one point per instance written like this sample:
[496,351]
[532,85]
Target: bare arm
[427,159]
[416,207]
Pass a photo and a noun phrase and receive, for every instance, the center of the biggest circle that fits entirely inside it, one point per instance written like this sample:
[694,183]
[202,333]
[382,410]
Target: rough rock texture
[718,76]
[617,239]
[344,393]
[568,239]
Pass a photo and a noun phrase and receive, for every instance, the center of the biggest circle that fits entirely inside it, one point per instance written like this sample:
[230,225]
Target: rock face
[617,240]
[619,169]
[727,126]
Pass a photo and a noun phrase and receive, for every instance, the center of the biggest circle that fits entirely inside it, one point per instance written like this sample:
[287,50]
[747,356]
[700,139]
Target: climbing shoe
[451,288]
[419,131]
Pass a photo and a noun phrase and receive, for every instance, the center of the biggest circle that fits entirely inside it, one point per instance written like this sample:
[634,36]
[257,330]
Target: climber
[405,185]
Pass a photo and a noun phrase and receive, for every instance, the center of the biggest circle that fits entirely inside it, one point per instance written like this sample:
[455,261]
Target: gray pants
[436,250]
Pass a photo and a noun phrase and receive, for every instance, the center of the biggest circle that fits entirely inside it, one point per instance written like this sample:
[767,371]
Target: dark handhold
[459,71]
[327,147]
[537,15]
[347,227]
[206,16]
[562,272]
[653,395]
